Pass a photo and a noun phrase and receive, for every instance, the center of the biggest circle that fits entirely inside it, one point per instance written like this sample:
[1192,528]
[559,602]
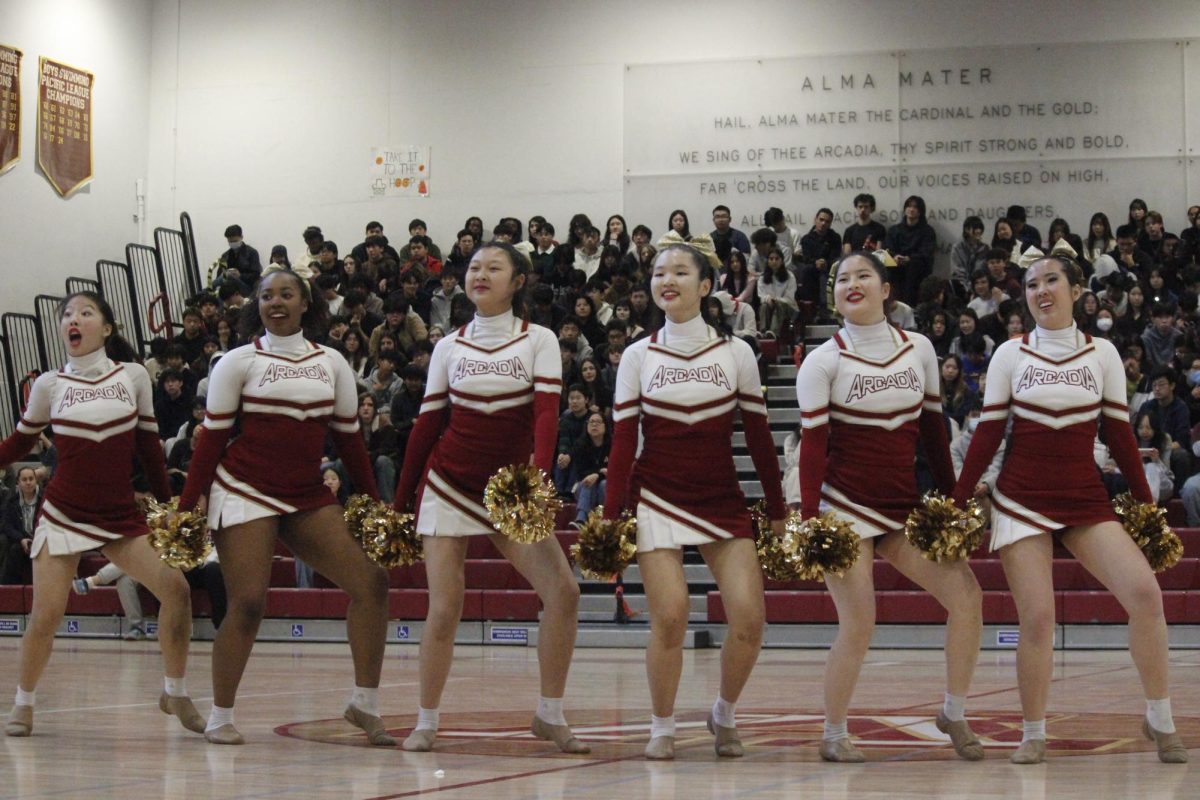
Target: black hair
[233,230]
[998,254]
[724,208]
[1162,310]
[376,240]
[642,229]
[506,227]
[227,290]
[623,238]
[919,202]
[1127,231]
[312,232]
[314,322]
[768,276]
[170,374]
[703,267]
[764,236]
[174,350]
[191,311]
[773,216]
[421,346]
[389,355]
[412,371]
[686,233]
[973,224]
[1100,217]
[520,265]
[579,222]
[865,198]
[546,227]
[1015,213]
[568,344]
[326,281]
[116,346]
[1163,371]
[879,268]
[374,224]
[579,387]
[396,303]
[417,223]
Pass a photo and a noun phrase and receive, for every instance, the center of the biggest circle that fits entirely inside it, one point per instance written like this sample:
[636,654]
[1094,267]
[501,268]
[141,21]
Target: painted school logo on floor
[779,734]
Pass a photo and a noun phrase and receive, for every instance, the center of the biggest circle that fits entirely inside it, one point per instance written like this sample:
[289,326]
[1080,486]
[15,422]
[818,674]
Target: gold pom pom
[822,544]
[1147,524]
[776,554]
[606,546]
[180,537]
[521,503]
[942,531]
[389,538]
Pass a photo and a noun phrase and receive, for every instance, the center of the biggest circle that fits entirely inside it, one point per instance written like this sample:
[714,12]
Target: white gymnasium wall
[44,238]
[263,112]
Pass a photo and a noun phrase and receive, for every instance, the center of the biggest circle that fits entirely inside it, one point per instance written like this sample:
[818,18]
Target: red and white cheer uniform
[865,397]
[286,393]
[490,402]
[684,385]
[102,413]
[1058,386]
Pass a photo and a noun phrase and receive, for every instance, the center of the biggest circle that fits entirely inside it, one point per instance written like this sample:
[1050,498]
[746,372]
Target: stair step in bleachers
[902,607]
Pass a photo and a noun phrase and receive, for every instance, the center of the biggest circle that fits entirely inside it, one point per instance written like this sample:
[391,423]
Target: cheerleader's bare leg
[735,566]
[667,598]
[955,587]
[854,596]
[1107,551]
[444,559]
[246,551]
[320,538]
[138,559]
[545,567]
[52,576]
[1028,568]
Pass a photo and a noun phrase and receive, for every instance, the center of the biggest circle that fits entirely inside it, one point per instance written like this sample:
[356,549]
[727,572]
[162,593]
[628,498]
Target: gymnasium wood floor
[98,732]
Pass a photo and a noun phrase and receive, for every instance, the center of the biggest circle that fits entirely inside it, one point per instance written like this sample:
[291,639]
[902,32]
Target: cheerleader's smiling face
[677,284]
[281,303]
[82,326]
[860,290]
[492,280]
[1049,294]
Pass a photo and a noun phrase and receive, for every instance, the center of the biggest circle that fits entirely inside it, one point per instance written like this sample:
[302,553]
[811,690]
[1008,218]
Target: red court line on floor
[500,778]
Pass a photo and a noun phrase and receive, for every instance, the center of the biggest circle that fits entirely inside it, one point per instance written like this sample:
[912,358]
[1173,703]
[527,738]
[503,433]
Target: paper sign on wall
[10,107]
[399,171]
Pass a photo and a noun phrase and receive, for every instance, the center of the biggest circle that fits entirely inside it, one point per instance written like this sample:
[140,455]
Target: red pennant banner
[10,107]
[65,125]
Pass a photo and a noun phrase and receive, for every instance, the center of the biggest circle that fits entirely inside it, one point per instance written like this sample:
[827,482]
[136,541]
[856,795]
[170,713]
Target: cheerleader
[866,396]
[287,394]
[1059,385]
[684,385]
[491,401]
[102,410]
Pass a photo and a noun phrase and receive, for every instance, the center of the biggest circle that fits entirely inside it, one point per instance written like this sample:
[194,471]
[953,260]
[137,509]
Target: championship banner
[65,125]
[400,171]
[10,107]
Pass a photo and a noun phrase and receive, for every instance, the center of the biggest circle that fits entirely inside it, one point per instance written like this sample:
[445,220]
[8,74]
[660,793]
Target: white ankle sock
[218,717]
[25,698]
[366,699]
[832,732]
[662,726]
[427,719]
[175,687]
[550,711]
[1033,730]
[1158,714]
[723,713]
[954,707]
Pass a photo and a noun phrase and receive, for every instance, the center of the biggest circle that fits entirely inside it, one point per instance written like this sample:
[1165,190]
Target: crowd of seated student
[590,285]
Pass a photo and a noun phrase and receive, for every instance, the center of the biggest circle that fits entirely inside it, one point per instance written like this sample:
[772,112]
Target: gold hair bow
[1061,248]
[701,242]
